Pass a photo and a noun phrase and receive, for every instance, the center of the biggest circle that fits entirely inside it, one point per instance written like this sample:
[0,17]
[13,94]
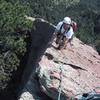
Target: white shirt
[67,34]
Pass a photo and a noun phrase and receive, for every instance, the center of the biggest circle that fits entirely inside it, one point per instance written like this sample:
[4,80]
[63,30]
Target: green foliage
[12,49]
[51,10]
[12,16]
[8,63]
[12,44]
[97,43]
[16,44]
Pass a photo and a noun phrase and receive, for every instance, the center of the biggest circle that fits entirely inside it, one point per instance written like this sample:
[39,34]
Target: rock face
[40,35]
[74,70]
[71,71]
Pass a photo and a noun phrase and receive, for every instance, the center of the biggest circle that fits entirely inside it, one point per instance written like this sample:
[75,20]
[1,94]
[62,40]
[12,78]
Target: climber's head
[67,20]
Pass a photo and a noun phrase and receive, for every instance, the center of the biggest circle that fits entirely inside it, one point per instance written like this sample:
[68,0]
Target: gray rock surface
[41,34]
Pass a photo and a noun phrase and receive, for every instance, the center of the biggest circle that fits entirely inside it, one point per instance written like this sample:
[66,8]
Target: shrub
[12,43]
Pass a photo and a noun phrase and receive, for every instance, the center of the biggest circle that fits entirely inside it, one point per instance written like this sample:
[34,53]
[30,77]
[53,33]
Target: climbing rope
[61,71]
[60,83]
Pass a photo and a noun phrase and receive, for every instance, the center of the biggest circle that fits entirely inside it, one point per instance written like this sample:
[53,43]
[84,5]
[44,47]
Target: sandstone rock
[76,69]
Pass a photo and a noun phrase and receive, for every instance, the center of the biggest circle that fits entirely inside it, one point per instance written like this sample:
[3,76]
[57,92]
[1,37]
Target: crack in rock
[51,57]
[73,66]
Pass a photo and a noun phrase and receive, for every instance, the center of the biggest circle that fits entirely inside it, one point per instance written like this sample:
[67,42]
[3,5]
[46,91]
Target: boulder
[61,73]
[41,35]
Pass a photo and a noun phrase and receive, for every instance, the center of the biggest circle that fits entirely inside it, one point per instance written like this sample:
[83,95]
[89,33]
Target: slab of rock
[74,70]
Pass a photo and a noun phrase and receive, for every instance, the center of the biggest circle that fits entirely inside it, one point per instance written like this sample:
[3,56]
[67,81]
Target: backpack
[74,26]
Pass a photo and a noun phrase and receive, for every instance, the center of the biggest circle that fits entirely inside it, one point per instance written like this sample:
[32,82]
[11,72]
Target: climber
[64,32]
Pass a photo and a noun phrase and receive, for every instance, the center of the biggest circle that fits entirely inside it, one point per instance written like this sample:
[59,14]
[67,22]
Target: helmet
[67,20]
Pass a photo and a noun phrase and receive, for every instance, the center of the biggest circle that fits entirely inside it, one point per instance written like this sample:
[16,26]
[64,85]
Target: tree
[12,43]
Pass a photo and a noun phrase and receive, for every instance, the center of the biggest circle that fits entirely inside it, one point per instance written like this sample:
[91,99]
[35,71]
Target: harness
[59,32]
[61,38]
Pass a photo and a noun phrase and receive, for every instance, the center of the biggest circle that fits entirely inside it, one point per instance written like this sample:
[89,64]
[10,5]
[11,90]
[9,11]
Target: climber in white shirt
[64,31]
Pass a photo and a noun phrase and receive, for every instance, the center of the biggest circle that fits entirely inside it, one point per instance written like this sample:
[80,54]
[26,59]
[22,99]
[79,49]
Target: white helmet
[67,20]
